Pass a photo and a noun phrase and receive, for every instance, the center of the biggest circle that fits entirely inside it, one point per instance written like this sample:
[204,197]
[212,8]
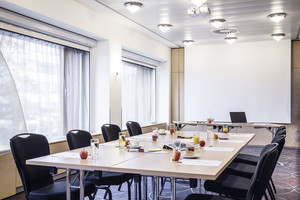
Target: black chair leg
[163,181]
[106,192]
[129,190]
[273,185]
[272,196]
[119,188]
[266,196]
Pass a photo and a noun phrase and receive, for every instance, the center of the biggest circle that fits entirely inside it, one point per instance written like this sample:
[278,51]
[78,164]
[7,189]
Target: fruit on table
[83,154]
[176,155]
[172,130]
[127,143]
[202,143]
[215,136]
[154,137]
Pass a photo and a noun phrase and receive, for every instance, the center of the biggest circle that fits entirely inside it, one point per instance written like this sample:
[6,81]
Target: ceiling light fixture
[198,2]
[278,36]
[217,22]
[277,17]
[188,43]
[195,11]
[133,6]
[230,40]
[164,27]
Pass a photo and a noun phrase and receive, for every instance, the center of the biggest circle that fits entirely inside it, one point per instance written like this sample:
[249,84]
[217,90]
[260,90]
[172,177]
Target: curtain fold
[138,94]
[76,89]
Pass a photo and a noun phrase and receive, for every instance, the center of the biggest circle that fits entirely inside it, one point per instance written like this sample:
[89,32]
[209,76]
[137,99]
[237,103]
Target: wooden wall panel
[8,176]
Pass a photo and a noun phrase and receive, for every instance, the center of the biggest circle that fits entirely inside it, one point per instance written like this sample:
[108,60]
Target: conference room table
[154,161]
[269,126]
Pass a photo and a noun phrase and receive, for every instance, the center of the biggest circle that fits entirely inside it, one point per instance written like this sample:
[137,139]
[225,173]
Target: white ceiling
[250,16]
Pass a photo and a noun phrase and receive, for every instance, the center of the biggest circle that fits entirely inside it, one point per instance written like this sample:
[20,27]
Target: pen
[135,150]
[184,137]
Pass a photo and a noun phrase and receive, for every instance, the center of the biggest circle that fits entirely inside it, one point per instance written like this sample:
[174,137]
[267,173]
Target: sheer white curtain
[76,77]
[11,113]
[36,68]
[138,94]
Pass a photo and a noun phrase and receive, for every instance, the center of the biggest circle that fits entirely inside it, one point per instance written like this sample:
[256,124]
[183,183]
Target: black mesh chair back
[263,172]
[281,131]
[110,132]
[134,128]
[27,146]
[78,139]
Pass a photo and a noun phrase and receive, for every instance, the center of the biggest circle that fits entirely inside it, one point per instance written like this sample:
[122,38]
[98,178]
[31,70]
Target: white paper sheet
[232,141]
[240,135]
[212,163]
[218,149]
[66,155]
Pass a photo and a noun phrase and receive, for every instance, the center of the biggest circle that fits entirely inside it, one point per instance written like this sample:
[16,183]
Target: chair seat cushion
[240,169]
[57,190]
[230,185]
[246,158]
[109,178]
[205,197]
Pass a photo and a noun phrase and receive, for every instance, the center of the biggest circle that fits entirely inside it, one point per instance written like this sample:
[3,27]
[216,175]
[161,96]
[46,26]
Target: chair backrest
[281,131]
[27,146]
[134,128]
[263,172]
[110,132]
[78,139]
[280,140]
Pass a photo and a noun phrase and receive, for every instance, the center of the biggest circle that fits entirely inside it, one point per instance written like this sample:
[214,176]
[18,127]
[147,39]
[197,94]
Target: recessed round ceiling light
[230,40]
[164,27]
[278,36]
[198,2]
[188,43]
[277,17]
[133,6]
[217,22]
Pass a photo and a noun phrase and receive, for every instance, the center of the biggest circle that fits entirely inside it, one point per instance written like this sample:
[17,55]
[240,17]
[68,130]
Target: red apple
[215,136]
[202,143]
[176,155]
[127,143]
[83,154]
[154,137]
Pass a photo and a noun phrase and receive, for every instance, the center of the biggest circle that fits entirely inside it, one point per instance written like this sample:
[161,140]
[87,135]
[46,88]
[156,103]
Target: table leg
[155,187]
[81,174]
[144,179]
[173,188]
[199,186]
[68,184]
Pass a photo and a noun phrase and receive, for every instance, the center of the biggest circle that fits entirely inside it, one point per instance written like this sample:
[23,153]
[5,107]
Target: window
[52,84]
[138,94]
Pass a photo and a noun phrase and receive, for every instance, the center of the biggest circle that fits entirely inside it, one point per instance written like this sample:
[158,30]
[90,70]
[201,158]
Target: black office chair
[253,159]
[133,128]
[252,189]
[78,139]
[110,132]
[38,181]
[237,186]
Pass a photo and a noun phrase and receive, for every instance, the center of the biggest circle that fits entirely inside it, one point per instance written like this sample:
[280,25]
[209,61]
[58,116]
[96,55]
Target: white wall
[105,92]
[252,77]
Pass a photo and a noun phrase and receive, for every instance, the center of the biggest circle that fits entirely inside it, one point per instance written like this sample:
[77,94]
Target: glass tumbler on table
[122,139]
[95,147]
[172,128]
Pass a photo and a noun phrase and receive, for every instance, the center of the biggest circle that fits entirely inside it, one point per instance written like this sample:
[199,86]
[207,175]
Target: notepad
[66,155]
[232,141]
[218,149]
[211,163]
[240,135]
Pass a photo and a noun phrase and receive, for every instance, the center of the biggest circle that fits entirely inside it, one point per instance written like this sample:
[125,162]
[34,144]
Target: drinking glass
[122,139]
[95,147]
[154,130]
[176,144]
[172,128]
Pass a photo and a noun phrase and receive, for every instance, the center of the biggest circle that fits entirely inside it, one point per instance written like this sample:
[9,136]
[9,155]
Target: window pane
[52,83]
[138,94]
